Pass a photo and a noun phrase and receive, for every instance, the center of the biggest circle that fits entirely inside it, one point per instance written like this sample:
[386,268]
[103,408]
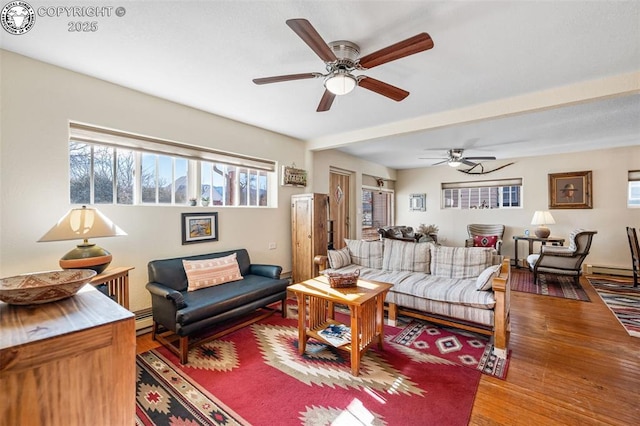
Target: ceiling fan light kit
[341,58]
[340,82]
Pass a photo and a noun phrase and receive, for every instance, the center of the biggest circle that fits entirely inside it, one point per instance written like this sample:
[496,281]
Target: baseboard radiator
[144,321]
[607,270]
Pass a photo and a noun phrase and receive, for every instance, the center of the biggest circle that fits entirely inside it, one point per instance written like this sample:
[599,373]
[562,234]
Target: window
[377,211]
[633,197]
[495,194]
[112,167]
[233,186]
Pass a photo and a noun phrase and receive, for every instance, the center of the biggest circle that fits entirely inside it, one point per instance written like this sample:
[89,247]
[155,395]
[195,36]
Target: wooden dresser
[70,362]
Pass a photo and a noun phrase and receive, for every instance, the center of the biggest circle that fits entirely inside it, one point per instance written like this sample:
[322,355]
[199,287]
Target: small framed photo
[571,190]
[418,202]
[199,227]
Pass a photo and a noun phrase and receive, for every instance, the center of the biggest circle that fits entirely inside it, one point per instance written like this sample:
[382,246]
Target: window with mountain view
[126,169]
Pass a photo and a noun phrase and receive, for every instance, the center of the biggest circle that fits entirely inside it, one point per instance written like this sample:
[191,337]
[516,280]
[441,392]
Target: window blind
[96,135]
[483,184]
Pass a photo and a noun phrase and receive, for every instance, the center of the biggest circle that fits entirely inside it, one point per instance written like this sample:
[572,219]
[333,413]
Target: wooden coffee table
[366,306]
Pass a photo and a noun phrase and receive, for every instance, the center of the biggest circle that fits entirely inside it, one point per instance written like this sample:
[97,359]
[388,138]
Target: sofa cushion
[405,256]
[460,262]
[449,290]
[485,241]
[210,272]
[212,301]
[485,279]
[365,253]
[339,258]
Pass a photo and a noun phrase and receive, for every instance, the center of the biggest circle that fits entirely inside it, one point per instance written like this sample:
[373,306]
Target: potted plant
[193,201]
[205,201]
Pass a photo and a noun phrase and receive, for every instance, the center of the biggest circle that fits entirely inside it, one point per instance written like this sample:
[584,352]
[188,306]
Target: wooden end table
[531,239]
[117,280]
[366,306]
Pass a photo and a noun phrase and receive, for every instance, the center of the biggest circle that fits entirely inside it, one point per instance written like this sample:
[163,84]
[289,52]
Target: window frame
[91,137]
[464,196]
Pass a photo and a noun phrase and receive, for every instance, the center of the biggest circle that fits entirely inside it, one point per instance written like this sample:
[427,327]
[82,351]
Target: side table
[117,280]
[552,240]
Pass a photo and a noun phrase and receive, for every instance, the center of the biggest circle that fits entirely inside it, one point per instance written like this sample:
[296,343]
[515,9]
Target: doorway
[339,202]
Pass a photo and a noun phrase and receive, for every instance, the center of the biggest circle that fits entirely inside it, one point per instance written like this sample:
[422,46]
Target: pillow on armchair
[485,241]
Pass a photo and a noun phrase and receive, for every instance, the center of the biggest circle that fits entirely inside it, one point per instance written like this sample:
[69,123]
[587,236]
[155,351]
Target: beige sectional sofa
[467,287]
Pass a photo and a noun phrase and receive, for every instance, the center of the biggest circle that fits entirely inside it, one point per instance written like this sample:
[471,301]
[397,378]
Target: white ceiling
[570,69]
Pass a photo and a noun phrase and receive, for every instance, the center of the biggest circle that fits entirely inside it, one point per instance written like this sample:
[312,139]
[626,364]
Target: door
[302,219]
[339,207]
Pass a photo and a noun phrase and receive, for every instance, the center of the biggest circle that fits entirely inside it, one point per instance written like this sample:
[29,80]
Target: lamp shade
[84,223]
[542,218]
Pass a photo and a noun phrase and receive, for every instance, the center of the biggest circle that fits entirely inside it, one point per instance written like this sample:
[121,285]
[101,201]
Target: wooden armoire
[308,233]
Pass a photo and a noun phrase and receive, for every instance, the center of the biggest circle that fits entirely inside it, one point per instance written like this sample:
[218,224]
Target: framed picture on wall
[572,190]
[199,227]
[418,202]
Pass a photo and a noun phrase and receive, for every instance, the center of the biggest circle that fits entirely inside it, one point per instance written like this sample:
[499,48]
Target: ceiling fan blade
[289,77]
[467,162]
[480,158]
[410,46]
[383,88]
[440,162]
[326,101]
[309,35]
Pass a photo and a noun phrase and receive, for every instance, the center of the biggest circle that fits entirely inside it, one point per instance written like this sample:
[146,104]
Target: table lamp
[542,218]
[84,223]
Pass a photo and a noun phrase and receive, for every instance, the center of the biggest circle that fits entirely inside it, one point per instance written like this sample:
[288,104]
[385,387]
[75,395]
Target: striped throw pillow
[339,258]
[406,256]
[460,262]
[365,253]
[210,272]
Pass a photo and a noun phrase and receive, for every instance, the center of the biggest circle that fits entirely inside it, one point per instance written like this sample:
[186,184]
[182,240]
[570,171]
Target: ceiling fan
[341,59]
[454,158]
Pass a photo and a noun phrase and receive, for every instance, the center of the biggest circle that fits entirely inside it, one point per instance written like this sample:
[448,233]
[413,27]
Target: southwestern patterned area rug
[548,285]
[623,299]
[425,374]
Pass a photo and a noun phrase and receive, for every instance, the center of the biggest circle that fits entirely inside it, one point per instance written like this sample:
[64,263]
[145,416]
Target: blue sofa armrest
[168,293]
[269,271]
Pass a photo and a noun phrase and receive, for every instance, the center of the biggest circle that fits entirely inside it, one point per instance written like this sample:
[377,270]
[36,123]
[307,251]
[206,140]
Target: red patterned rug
[548,285]
[425,374]
[623,299]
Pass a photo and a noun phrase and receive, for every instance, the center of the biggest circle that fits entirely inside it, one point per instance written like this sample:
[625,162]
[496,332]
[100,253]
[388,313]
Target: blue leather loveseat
[177,311]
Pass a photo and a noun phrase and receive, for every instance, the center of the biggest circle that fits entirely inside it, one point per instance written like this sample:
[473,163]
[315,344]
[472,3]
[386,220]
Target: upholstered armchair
[485,235]
[563,260]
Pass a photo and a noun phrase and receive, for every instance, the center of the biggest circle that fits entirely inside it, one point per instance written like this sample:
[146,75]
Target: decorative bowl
[43,287]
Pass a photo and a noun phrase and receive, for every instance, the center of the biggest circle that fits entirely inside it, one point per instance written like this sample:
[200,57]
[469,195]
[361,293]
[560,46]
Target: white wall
[609,215]
[37,102]
[325,161]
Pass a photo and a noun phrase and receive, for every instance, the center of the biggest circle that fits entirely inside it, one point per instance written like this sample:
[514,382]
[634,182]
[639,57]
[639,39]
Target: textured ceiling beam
[620,85]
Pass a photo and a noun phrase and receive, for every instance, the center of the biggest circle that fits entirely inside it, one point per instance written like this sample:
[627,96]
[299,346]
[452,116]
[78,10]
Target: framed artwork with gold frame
[572,190]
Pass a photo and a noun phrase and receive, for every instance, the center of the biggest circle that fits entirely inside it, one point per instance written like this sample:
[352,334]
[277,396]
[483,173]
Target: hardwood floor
[572,363]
